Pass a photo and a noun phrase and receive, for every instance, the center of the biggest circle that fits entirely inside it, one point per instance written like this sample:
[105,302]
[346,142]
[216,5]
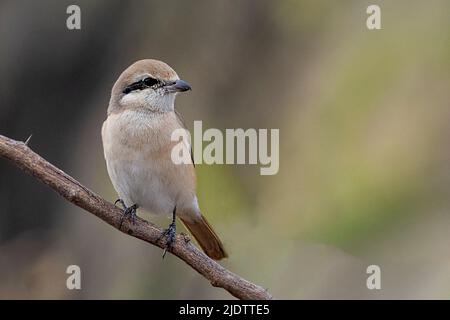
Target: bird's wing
[180,119]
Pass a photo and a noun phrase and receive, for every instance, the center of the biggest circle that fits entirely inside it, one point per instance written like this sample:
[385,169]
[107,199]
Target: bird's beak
[178,86]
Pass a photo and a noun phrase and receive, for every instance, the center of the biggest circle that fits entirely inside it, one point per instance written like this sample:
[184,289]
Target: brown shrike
[137,145]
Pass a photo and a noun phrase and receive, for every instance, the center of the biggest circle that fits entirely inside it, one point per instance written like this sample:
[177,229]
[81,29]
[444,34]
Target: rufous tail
[206,237]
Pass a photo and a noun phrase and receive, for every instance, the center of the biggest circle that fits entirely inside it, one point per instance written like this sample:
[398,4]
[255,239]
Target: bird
[136,137]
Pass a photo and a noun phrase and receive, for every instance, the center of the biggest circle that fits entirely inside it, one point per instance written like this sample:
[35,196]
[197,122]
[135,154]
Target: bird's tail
[206,237]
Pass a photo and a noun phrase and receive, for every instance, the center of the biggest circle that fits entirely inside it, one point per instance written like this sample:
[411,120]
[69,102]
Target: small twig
[23,157]
[27,142]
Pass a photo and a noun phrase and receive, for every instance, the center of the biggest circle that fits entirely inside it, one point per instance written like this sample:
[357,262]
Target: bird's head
[149,84]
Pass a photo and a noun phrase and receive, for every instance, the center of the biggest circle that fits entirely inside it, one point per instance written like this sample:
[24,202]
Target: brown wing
[181,121]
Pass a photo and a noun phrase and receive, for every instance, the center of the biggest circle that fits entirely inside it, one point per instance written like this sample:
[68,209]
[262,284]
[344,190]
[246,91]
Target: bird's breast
[137,150]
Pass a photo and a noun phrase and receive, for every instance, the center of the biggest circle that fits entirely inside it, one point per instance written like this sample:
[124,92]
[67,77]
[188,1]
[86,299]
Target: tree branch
[24,158]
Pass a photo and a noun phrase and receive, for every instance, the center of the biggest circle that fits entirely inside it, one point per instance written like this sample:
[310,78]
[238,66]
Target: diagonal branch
[24,158]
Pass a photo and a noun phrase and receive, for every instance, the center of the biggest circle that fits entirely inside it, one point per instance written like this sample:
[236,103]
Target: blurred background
[364,159]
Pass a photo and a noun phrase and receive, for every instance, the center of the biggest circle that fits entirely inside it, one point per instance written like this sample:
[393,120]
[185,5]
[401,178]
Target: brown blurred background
[364,160]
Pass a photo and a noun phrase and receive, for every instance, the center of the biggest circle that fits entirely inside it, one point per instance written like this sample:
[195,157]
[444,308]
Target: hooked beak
[178,86]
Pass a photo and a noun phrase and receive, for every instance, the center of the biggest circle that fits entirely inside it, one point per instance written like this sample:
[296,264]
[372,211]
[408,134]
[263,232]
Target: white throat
[154,100]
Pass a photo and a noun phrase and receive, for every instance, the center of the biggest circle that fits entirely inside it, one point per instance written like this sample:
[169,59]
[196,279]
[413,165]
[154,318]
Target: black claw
[128,212]
[124,207]
[170,234]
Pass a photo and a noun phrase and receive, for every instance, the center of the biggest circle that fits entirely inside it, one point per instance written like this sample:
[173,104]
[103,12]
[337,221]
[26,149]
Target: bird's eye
[141,85]
[149,82]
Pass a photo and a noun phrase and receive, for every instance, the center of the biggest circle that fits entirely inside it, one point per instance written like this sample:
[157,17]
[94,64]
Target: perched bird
[137,146]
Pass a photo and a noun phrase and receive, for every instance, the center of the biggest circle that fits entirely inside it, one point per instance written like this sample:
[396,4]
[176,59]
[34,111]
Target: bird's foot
[129,212]
[122,203]
[169,234]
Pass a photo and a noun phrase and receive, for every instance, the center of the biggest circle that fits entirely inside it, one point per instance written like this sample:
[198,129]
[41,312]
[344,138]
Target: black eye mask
[142,84]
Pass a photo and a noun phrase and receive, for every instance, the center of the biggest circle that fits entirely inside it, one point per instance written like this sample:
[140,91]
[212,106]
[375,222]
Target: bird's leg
[170,233]
[127,212]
